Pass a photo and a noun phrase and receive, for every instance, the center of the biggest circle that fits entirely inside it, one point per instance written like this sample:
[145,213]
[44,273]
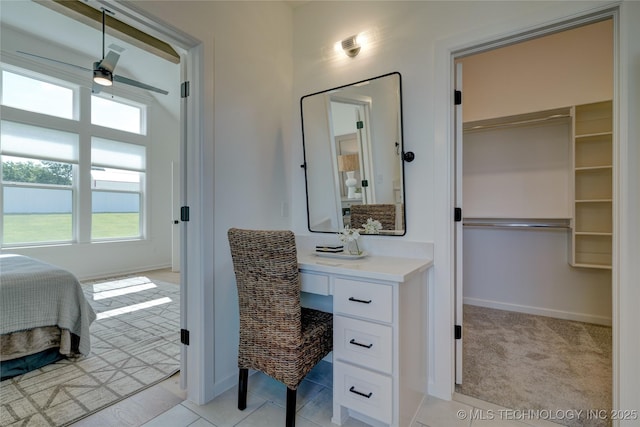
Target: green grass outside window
[34,228]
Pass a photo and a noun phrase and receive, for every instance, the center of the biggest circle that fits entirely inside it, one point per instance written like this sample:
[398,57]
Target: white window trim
[81,125]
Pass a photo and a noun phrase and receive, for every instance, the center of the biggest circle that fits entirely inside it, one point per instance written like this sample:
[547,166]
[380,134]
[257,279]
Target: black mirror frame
[405,156]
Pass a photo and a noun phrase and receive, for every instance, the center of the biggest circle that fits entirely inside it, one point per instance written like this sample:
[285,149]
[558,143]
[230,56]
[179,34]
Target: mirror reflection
[352,140]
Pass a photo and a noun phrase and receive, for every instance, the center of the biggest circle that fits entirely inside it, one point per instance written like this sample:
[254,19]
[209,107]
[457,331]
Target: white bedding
[34,294]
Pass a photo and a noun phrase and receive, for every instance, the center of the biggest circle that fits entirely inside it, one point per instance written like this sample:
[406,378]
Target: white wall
[90,260]
[411,38]
[519,172]
[528,271]
[246,159]
[414,38]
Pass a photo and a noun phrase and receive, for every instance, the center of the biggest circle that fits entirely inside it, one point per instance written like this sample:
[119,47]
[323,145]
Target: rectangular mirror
[352,144]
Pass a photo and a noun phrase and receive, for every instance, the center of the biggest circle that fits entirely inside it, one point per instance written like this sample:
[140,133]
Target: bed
[44,315]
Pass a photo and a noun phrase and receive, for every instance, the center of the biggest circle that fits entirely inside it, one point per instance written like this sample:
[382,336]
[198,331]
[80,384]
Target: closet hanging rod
[470,126]
[514,224]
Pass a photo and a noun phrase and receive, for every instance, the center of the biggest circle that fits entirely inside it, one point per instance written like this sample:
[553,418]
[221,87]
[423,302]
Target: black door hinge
[457,214]
[359,124]
[457,97]
[184,213]
[184,89]
[458,332]
[184,336]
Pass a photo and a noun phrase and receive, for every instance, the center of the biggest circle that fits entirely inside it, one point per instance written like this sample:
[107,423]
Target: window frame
[28,73]
[81,125]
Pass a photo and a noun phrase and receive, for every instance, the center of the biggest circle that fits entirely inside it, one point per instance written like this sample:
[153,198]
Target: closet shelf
[591,233]
[590,168]
[593,200]
[526,119]
[594,265]
[592,237]
[589,135]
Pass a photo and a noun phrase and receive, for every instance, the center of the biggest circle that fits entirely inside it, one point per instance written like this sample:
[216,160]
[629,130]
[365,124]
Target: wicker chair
[277,336]
[385,213]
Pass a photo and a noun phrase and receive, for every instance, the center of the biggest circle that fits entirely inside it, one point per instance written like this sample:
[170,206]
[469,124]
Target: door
[458,135]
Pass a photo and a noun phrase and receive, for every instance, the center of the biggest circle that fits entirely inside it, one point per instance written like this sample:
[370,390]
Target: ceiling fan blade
[54,60]
[131,82]
[109,62]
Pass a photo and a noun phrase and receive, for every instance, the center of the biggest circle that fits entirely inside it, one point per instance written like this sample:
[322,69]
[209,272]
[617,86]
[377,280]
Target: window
[37,177]
[116,115]
[35,95]
[117,174]
[47,162]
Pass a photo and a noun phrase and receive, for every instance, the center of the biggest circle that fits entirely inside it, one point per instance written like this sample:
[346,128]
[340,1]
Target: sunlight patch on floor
[134,307]
[123,291]
[120,283]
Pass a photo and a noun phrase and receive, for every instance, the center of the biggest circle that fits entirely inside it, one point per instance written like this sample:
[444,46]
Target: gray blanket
[35,294]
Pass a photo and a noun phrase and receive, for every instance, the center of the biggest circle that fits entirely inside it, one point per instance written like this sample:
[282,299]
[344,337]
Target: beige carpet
[135,343]
[528,362]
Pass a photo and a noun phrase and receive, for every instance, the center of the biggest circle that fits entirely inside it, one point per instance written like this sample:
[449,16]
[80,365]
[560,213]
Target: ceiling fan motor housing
[101,75]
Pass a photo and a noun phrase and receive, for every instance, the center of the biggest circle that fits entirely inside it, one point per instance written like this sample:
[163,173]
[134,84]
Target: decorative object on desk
[330,248]
[372,226]
[350,236]
[349,163]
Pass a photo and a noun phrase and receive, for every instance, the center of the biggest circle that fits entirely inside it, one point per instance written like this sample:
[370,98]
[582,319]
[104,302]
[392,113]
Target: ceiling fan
[103,70]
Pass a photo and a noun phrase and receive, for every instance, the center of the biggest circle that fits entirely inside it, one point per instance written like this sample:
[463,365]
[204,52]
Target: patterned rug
[528,363]
[135,343]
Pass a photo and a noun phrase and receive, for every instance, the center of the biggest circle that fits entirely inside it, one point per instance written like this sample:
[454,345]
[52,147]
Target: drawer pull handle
[359,300]
[354,342]
[353,390]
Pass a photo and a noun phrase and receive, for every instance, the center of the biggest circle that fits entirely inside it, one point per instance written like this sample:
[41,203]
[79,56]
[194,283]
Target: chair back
[266,268]
[385,213]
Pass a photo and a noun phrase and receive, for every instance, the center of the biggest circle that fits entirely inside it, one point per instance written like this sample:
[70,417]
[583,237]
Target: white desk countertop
[394,269]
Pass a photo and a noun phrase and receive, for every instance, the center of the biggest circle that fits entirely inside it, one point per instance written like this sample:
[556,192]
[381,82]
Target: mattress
[42,307]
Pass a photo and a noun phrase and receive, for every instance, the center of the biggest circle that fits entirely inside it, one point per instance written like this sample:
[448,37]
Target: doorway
[519,173]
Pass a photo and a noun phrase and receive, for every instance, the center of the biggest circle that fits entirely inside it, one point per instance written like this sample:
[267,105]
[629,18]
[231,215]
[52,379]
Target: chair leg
[243,380]
[291,408]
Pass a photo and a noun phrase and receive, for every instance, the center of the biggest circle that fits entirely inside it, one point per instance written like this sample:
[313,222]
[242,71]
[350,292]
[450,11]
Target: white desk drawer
[363,299]
[363,343]
[363,391]
[314,283]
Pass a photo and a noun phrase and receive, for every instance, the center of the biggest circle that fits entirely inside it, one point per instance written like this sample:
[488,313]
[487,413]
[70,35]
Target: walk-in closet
[537,222]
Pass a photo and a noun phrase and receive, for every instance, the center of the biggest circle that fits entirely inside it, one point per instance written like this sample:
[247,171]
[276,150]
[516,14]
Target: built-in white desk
[379,333]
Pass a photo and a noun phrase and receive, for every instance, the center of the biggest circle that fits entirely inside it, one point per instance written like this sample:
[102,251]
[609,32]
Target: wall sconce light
[350,46]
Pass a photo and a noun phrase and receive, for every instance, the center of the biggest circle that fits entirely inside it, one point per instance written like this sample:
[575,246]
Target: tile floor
[164,405]
[266,408]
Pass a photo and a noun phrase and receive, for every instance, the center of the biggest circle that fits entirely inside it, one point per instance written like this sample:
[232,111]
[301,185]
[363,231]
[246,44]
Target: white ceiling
[82,45]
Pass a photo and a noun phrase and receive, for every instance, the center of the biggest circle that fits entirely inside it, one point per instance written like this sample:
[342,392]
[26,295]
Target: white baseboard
[226,383]
[540,311]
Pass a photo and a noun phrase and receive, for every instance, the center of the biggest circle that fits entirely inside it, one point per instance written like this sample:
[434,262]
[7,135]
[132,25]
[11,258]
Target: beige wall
[563,69]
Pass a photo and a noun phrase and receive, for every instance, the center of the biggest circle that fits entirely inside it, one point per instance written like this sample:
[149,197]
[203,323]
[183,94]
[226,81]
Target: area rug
[135,343]
[547,368]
